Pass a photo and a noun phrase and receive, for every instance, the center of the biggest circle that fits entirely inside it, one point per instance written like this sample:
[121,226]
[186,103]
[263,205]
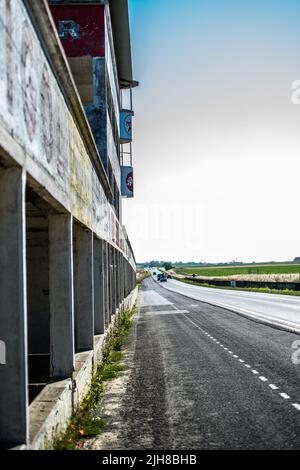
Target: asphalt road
[284,310]
[201,377]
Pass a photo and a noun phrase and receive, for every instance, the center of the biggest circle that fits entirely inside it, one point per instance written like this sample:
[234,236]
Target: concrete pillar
[111,284]
[128,279]
[115,280]
[61,295]
[119,277]
[110,265]
[99,307]
[123,277]
[106,283]
[13,309]
[84,290]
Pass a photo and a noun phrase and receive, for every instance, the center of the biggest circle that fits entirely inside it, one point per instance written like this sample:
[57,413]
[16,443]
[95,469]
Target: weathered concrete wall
[36,122]
[48,158]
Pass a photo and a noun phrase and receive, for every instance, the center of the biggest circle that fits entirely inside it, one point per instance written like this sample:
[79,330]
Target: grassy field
[249,269]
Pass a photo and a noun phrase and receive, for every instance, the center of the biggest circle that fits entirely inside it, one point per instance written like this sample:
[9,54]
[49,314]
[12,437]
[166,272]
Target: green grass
[84,423]
[264,290]
[249,269]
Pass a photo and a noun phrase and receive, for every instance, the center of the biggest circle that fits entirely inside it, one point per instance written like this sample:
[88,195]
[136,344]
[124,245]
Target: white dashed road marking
[285,396]
[254,371]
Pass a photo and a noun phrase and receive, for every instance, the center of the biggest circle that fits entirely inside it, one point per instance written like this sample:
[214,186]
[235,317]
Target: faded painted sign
[81,29]
[126,126]
[127,181]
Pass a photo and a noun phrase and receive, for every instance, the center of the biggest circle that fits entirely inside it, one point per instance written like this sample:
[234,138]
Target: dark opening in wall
[37,260]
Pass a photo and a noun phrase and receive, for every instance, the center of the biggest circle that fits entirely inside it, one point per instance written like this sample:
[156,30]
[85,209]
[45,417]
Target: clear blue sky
[216,137]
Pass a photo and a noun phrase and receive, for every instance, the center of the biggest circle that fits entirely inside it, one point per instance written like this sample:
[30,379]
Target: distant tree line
[178,264]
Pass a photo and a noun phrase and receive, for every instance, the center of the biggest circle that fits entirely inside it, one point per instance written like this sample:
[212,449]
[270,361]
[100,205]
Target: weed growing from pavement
[84,423]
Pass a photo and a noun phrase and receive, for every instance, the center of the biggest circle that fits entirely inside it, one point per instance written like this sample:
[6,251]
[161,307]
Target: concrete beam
[13,309]
[61,295]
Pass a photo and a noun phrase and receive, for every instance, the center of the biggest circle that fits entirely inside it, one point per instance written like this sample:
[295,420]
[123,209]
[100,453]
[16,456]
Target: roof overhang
[119,14]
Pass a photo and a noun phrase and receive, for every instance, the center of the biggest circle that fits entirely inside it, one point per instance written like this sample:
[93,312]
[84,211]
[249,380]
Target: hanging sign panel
[126,126]
[127,181]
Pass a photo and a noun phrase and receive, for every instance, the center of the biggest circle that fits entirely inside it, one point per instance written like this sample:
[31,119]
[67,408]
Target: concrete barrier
[295,286]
